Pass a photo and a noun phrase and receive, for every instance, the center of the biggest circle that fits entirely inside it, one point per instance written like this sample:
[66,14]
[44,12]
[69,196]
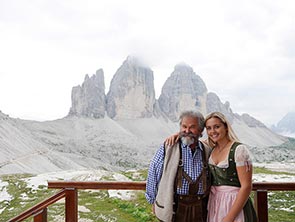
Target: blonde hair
[229,133]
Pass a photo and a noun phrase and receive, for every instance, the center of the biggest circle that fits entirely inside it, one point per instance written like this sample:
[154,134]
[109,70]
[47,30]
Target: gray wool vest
[165,195]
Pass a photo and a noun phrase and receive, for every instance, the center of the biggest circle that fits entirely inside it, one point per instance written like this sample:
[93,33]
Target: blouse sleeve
[243,156]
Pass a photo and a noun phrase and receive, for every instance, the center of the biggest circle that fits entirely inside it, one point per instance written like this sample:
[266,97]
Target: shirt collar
[199,146]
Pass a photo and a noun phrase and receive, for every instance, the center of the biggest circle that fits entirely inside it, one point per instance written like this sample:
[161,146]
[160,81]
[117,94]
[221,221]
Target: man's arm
[154,175]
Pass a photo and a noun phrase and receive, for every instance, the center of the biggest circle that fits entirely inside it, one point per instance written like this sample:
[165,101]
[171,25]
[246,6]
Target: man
[178,179]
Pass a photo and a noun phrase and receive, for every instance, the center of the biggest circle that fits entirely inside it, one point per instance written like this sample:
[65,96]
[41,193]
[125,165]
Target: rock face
[132,96]
[132,93]
[214,104]
[183,90]
[89,100]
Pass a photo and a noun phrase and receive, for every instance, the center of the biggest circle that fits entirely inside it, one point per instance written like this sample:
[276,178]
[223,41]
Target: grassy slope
[98,206]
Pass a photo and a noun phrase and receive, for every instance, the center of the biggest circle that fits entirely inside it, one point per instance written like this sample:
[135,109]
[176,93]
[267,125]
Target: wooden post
[41,216]
[261,205]
[71,205]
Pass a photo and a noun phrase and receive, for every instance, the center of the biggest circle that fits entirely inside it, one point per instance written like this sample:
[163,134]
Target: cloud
[243,50]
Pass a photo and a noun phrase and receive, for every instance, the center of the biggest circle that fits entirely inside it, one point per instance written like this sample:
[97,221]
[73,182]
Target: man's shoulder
[170,149]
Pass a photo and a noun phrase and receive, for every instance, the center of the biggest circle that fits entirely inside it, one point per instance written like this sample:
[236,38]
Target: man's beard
[188,138]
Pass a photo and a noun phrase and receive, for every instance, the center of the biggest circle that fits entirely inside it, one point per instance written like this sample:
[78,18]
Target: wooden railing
[69,191]
[260,199]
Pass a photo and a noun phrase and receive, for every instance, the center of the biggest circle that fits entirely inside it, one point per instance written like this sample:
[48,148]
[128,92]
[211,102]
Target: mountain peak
[183,68]
[183,90]
[132,93]
[286,126]
[89,99]
[133,60]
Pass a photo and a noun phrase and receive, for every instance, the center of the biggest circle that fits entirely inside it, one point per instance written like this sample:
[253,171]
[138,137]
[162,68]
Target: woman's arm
[171,140]
[245,178]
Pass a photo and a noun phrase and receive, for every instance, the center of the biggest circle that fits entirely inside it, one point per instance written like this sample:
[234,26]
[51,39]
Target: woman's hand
[225,219]
[171,140]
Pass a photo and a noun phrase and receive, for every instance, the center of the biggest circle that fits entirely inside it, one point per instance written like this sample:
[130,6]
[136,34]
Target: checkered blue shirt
[192,165]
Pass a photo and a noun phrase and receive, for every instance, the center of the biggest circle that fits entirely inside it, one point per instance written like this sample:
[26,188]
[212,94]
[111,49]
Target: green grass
[23,197]
[278,202]
[139,175]
[263,170]
[97,206]
[101,206]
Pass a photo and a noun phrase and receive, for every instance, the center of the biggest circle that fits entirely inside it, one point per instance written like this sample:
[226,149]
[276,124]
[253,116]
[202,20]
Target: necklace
[220,149]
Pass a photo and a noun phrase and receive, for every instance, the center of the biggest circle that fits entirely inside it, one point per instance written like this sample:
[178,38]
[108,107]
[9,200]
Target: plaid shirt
[192,165]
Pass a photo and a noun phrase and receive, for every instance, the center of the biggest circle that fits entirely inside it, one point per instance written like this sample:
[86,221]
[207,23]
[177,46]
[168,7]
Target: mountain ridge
[286,126]
[121,129]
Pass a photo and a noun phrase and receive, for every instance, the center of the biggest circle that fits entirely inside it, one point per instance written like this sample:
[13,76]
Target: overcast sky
[243,50]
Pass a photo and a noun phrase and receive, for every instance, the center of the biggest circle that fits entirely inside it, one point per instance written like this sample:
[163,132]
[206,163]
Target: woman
[231,169]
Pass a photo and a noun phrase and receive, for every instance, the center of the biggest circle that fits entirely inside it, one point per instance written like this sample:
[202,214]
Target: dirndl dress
[226,185]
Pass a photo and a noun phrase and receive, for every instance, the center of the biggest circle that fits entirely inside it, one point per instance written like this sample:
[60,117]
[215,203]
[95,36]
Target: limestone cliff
[183,90]
[89,99]
[131,93]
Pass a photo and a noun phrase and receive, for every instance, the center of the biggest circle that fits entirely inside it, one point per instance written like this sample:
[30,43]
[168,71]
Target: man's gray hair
[194,114]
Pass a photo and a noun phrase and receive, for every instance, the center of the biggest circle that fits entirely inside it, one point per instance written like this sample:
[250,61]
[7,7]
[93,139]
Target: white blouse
[242,157]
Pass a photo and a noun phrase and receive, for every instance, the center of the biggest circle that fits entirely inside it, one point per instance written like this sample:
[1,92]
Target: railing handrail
[40,206]
[273,186]
[98,185]
[115,185]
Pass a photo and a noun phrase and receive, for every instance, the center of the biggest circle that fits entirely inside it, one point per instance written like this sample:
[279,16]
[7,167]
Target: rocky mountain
[89,100]
[214,104]
[121,129]
[182,90]
[132,93]
[286,126]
